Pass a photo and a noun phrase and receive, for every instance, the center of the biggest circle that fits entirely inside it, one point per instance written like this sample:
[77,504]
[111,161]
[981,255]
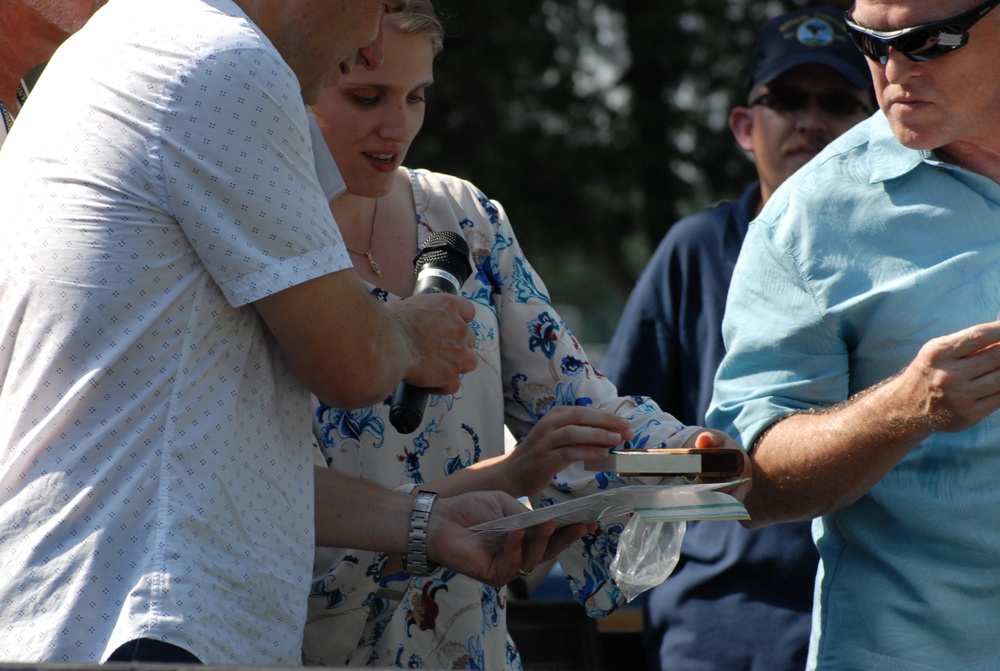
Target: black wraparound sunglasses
[919,43]
[835,103]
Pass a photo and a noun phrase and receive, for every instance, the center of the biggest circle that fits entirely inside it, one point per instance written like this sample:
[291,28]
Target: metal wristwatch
[415,561]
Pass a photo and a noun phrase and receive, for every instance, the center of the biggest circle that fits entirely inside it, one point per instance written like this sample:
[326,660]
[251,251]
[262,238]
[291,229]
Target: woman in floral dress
[532,375]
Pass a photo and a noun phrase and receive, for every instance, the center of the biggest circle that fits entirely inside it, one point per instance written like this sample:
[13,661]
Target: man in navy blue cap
[738,599]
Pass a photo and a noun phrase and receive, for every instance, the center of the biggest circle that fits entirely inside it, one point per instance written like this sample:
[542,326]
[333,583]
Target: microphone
[442,267]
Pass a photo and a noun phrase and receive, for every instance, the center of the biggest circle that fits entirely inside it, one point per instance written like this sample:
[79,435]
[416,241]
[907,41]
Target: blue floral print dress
[529,362]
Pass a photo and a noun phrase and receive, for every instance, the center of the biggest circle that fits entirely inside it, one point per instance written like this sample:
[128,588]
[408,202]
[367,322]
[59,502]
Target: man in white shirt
[171,290]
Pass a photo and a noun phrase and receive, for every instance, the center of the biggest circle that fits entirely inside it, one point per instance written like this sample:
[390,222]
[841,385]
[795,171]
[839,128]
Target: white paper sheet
[655,503]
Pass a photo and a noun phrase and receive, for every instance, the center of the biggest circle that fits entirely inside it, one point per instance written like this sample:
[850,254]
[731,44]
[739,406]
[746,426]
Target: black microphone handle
[442,266]
[407,409]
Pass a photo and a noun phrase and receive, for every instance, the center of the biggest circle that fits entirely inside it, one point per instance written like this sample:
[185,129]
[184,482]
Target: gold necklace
[376,268]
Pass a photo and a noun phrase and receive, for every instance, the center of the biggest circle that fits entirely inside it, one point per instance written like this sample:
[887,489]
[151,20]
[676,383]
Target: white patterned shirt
[155,467]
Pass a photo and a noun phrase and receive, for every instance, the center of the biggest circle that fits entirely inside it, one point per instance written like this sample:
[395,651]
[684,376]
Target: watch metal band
[415,562]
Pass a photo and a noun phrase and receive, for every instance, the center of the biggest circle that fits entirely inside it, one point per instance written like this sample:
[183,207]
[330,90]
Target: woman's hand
[563,435]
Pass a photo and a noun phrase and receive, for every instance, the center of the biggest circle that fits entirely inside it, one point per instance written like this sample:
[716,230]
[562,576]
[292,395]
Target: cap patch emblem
[815,33]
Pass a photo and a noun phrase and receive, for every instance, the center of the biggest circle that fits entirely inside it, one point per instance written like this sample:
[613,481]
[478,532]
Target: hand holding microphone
[442,266]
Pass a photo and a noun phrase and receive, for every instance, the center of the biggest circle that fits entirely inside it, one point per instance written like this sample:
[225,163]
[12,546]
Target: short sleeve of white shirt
[225,144]
[238,163]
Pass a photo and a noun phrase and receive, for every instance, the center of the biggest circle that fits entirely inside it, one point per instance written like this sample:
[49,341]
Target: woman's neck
[385,258]
[353,215]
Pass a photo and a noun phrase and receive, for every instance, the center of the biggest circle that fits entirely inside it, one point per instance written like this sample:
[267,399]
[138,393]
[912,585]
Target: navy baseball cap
[806,36]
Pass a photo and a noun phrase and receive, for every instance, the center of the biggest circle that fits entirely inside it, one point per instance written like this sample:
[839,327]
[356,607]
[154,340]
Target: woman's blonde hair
[419,18]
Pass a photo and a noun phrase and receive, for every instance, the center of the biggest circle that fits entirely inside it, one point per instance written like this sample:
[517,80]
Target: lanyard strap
[22,95]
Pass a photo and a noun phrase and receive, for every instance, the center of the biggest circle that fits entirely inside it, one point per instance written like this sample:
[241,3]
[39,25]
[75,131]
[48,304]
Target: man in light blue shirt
[862,367]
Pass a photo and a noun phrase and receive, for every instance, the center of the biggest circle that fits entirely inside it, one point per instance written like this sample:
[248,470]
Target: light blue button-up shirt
[859,259]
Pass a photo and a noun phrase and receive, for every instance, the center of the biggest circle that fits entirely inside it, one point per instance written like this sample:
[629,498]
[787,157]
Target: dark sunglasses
[835,103]
[919,43]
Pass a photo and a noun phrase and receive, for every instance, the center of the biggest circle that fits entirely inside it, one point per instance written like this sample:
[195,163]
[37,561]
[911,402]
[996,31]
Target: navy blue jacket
[738,600]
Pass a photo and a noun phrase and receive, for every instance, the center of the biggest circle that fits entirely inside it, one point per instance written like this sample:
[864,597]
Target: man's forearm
[813,463]
[351,512]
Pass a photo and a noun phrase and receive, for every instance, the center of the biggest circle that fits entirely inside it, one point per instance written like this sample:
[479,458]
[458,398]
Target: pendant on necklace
[376,268]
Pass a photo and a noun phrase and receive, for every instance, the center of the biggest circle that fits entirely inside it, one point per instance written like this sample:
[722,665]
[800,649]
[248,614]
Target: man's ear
[741,124]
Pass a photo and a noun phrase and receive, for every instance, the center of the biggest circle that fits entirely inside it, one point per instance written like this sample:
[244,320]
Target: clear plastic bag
[648,552]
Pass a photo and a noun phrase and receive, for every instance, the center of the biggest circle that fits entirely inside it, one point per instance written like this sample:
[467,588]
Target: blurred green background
[597,124]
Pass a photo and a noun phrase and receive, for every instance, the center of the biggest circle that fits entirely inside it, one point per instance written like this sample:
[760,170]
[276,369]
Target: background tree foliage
[597,124]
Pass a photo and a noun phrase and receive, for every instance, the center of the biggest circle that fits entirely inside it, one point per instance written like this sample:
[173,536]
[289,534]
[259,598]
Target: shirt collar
[889,158]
